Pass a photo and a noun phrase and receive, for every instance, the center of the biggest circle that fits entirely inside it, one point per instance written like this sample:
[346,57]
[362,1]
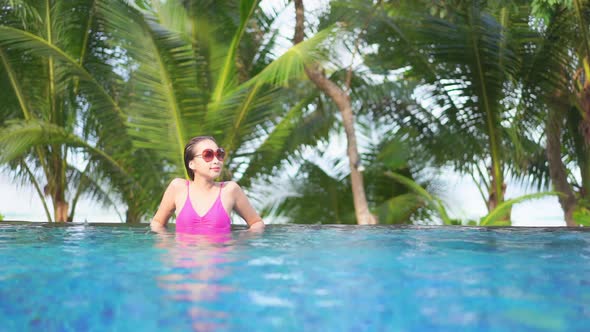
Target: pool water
[87,277]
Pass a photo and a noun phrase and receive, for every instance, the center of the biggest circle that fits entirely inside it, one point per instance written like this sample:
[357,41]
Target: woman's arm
[244,208]
[166,208]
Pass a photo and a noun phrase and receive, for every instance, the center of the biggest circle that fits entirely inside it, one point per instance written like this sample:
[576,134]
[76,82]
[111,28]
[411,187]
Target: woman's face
[199,164]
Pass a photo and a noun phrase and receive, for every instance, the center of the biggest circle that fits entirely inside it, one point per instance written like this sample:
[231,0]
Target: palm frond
[16,86]
[165,103]
[283,140]
[17,39]
[495,218]
[304,206]
[19,137]
[226,76]
[290,65]
[399,209]
[435,203]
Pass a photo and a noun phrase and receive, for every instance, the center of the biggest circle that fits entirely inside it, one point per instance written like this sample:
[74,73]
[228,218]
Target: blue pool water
[294,278]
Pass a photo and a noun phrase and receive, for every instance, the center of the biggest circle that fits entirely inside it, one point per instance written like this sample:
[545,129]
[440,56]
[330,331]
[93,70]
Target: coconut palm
[465,61]
[204,68]
[161,73]
[557,76]
[321,194]
[318,192]
[58,101]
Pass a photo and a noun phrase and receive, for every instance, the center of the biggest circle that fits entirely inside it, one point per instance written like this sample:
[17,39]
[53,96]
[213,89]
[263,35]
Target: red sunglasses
[208,154]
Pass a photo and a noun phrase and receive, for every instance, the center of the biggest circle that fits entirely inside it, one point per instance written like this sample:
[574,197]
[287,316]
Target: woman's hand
[257,226]
[158,227]
[244,208]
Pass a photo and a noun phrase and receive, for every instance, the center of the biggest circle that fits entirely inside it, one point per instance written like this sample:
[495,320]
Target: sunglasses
[208,154]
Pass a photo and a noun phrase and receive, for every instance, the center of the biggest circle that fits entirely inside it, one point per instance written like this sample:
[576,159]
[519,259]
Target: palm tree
[465,62]
[558,76]
[321,194]
[204,68]
[147,77]
[58,104]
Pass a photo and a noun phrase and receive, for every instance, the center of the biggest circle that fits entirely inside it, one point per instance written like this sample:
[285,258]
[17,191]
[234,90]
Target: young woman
[202,205]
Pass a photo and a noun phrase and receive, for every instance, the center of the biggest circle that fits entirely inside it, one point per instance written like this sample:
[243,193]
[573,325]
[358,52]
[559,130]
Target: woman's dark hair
[189,152]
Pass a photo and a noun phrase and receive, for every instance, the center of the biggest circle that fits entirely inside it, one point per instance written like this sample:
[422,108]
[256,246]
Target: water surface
[294,278]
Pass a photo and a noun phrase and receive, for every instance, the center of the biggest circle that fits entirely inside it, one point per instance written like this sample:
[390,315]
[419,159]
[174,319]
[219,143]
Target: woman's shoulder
[230,185]
[178,183]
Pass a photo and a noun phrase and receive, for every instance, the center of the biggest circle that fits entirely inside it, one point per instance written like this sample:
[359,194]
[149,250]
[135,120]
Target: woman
[202,205]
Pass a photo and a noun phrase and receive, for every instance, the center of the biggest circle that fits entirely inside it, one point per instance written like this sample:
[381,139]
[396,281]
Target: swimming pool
[294,278]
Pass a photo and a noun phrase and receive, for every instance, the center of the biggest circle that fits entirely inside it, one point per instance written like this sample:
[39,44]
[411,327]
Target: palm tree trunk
[133,215]
[557,170]
[60,205]
[495,200]
[342,101]
[61,211]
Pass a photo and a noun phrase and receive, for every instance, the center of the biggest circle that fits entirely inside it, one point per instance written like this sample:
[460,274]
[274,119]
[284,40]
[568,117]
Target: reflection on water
[199,263]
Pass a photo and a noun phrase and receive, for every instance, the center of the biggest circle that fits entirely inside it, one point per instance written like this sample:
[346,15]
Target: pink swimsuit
[215,221]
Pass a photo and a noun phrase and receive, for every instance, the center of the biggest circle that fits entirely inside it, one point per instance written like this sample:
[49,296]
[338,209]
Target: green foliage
[433,202]
[392,201]
[497,216]
[126,84]
[59,99]
[494,218]
[143,4]
[1,217]
[564,48]
[467,60]
[399,209]
[582,215]
[479,69]
[319,198]
[188,82]
[544,8]
[323,195]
